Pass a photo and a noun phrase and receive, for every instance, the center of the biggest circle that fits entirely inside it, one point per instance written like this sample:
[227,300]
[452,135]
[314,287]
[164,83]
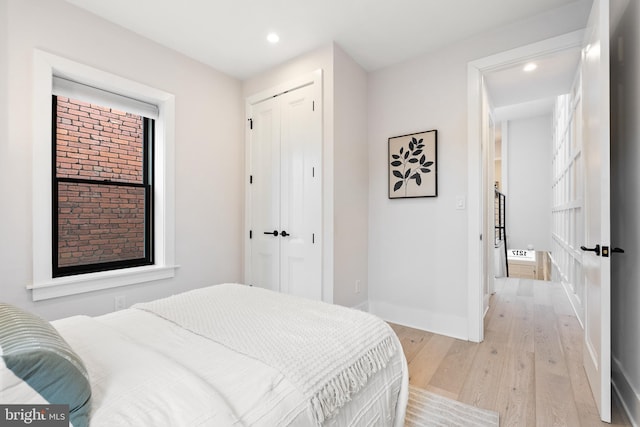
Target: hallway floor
[528,368]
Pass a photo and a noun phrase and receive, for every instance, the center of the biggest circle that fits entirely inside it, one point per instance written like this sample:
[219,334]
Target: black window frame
[148,176]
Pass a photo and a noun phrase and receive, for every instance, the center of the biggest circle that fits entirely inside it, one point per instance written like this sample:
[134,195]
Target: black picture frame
[413,165]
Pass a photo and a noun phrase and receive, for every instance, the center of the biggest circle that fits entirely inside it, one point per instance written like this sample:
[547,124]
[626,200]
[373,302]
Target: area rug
[426,409]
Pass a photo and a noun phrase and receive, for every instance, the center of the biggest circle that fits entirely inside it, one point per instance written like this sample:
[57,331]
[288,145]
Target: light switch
[460,203]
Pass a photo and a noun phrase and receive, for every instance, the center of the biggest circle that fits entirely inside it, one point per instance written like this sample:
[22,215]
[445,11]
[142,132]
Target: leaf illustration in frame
[413,165]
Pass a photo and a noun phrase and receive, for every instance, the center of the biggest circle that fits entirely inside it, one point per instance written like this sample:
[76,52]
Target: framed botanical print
[413,165]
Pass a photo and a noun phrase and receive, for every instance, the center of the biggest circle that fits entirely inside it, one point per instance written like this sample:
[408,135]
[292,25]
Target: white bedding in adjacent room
[148,371]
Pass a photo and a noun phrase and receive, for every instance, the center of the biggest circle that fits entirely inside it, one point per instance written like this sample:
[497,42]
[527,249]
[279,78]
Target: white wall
[418,247]
[530,173]
[209,148]
[5,185]
[351,180]
[625,210]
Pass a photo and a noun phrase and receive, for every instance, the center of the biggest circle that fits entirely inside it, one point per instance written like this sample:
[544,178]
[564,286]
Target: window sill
[72,285]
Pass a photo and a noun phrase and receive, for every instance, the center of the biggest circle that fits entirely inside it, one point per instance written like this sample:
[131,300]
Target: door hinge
[313,105]
[251,234]
[313,238]
[250,179]
[313,172]
[250,123]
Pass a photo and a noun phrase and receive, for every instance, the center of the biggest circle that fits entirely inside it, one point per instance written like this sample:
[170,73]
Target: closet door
[285,194]
[265,191]
[300,192]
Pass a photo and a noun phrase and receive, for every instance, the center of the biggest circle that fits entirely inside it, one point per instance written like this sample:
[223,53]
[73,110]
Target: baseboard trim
[629,397]
[363,306]
[452,326]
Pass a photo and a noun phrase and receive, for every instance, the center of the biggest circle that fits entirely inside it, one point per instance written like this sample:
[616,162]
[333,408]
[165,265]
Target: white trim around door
[475,71]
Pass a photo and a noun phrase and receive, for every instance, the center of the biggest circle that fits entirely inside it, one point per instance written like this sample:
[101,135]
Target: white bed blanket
[135,385]
[283,332]
[147,371]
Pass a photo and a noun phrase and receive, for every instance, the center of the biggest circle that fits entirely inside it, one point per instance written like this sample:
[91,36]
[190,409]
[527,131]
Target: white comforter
[147,371]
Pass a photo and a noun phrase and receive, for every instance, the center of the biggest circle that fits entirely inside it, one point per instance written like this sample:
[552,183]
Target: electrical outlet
[357,286]
[120,302]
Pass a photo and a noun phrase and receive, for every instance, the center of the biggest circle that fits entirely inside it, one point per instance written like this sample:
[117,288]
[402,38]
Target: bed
[224,355]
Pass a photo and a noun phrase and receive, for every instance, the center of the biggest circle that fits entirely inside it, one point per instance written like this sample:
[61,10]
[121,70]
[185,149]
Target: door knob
[596,249]
[274,232]
[284,234]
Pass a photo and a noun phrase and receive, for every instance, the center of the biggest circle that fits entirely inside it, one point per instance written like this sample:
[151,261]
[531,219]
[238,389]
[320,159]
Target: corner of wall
[351,171]
[426,320]
[628,397]
[625,202]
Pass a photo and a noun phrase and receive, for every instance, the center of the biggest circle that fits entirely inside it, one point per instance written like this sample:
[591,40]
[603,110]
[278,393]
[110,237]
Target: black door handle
[617,251]
[596,249]
[274,232]
[284,234]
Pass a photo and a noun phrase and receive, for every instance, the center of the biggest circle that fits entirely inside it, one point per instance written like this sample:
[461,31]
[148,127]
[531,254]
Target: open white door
[596,258]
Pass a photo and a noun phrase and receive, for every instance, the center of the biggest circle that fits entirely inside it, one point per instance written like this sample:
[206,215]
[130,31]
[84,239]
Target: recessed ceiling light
[530,67]
[273,38]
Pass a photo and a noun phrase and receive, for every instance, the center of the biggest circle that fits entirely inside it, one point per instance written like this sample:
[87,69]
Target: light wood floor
[528,368]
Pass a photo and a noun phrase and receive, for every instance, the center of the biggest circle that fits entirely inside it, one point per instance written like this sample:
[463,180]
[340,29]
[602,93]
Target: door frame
[313,78]
[476,164]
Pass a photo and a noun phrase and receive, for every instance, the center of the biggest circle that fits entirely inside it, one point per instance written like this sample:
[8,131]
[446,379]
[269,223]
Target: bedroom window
[102,195]
[128,211]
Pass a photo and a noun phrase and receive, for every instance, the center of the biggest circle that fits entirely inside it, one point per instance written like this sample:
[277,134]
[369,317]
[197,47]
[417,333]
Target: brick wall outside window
[96,222]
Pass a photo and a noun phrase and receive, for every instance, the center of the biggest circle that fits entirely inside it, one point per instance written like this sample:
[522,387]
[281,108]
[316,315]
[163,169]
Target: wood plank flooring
[528,368]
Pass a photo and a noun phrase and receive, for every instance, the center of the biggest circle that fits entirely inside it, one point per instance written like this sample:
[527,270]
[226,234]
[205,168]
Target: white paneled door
[286,193]
[596,255]
[265,195]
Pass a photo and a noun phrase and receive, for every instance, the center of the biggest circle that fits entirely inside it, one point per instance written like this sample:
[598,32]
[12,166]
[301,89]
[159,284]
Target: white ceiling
[513,85]
[515,93]
[230,35]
